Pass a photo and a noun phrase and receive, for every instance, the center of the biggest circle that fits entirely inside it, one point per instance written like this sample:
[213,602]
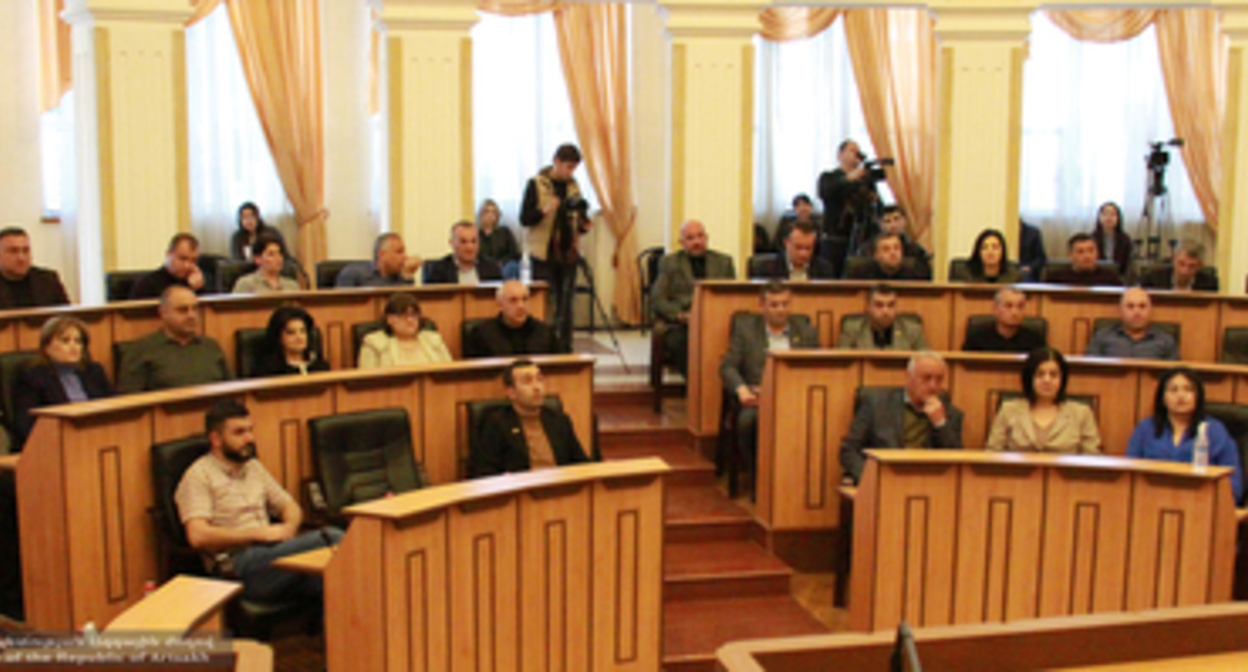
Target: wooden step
[688,468]
[694,629]
[732,568]
[703,513]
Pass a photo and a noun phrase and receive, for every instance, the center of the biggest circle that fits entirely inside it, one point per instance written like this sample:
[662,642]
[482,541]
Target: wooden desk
[84,480]
[309,562]
[1217,662]
[183,605]
[546,570]
[9,462]
[1070,312]
[1022,646]
[945,537]
[222,314]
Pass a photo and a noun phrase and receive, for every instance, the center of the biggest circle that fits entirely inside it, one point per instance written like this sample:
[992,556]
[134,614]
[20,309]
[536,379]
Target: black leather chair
[648,270]
[1036,324]
[762,239]
[327,271]
[1065,264]
[468,325]
[119,283]
[169,461]
[1235,417]
[478,411]
[120,350]
[758,264]
[1172,328]
[247,344]
[1234,346]
[11,365]
[363,456]
[230,270]
[208,265]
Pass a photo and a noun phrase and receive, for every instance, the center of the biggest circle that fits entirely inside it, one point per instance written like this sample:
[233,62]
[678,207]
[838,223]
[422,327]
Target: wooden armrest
[308,562]
[9,462]
[849,492]
[181,605]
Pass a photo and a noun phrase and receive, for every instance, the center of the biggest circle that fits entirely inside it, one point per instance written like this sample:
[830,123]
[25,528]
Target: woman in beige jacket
[1044,420]
[402,342]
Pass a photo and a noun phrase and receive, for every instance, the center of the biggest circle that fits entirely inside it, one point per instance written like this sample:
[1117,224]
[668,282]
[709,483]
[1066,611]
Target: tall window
[1089,112]
[805,104]
[230,161]
[56,142]
[520,108]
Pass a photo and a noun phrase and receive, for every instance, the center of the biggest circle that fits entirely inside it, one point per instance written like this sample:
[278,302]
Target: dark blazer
[880,423]
[1163,278]
[492,338]
[1031,255]
[39,386]
[45,288]
[503,448]
[445,271]
[819,269]
[273,366]
[672,292]
[747,352]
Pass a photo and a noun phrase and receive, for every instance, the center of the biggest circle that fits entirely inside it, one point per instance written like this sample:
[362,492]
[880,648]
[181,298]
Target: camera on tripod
[1158,159]
[875,168]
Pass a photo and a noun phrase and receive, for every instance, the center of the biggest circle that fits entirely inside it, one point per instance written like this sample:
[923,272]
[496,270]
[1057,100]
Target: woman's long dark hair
[1098,231]
[273,355]
[255,210]
[976,262]
[1161,414]
[1034,360]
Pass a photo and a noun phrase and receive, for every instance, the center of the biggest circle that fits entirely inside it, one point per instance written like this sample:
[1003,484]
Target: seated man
[1006,333]
[742,368]
[803,213]
[1134,337]
[798,261]
[914,417]
[881,330]
[227,501]
[893,220]
[525,435]
[1083,269]
[463,266]
[672,294]
[514,331]
[391,266]
[181,269]
[888,262]
[1183,274]
[174,355]
[23,285]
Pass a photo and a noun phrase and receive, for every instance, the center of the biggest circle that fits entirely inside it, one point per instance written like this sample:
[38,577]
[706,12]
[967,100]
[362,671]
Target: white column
[1232,235]
[981,51]
[348,136]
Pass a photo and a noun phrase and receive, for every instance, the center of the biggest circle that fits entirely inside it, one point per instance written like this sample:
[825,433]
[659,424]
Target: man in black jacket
[23,285]
[464,265]
[525,435]
[181,268]
[514,331]
[798,261]
[1184,272]
[849,197]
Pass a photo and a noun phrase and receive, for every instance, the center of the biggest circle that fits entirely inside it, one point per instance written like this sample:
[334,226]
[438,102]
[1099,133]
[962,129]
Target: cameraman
[555,214]
[849,197]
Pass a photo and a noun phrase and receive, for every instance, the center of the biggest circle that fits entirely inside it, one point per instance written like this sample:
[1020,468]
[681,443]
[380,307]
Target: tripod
[595,302]
[1156,223]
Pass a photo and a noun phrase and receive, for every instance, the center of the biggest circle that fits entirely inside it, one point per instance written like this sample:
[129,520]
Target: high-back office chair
[759,265]
[1172,328]
[119,283]
[363,456]
[479,411]
[1234,346]
[1235,417]
[11,365]
[648,272]
[1037,324]
[1063,264]
[327,271]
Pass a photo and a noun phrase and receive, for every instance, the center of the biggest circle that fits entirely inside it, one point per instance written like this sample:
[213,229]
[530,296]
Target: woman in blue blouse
[1178,410]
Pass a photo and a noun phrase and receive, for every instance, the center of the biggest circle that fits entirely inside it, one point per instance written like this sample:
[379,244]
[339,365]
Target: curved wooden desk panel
[549,570]
[223,314]
[956,537]
[85,486]
[1070,312]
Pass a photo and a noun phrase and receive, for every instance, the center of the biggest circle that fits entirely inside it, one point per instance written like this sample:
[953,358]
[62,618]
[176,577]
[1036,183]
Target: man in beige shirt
[228,501]
[527,434]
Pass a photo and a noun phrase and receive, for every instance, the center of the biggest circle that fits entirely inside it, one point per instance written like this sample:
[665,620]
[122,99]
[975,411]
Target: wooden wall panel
[44,529]
[628,576]
[556,546]
[1085,542]
[355,601]
[709,322]
[484,586]
[1172,541]
[976,389]
[1071,317]
[417,577]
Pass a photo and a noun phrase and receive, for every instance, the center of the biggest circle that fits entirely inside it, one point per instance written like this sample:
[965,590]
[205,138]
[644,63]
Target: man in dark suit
[893,220]
[672,294]
[514,331]
[798,261]
[181,268]
[1006,333]
[463,266]
[913,417]
[881,330]
[1031,254]
[753,336]
[1183,274]
[803,212]
[23,285]
[525,435]
[1083,269]
[888,262]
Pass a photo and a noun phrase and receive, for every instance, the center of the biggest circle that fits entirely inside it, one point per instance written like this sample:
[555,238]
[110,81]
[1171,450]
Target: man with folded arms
[1006,333]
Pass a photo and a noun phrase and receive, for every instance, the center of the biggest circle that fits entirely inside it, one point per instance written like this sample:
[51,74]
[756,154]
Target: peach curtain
[374,63]
[1193,58]
[202,9]
[56,66]
[1102,25]
[783,24]
[593,47]
[893,52]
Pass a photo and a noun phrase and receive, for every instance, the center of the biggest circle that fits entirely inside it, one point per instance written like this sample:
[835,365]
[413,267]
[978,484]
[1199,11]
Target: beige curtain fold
[593,48]
[202,9]
[1102,25]
[893,52]
[508,8]
[783,24]
[56,66]
[279,44]
[1193,55]
[374,63]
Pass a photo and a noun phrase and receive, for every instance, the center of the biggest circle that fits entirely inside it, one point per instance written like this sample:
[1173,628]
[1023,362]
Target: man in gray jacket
[753,336]
[672,294]
[881,330]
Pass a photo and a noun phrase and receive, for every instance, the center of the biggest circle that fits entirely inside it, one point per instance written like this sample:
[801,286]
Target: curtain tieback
[323,213]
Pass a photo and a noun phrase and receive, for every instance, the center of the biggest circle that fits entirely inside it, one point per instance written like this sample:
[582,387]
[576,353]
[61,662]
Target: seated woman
[250,227]
[61,373]
[402,342]
[497,241]
[989,262]
[287,347]
[1112,243]
[1045,421]
[270,255]
[1178,413]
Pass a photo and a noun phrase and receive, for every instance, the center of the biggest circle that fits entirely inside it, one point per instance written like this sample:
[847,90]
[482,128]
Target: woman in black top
[61,373]
[497,241]
[1111,242]
[287,348]
[250,225]
[990,261]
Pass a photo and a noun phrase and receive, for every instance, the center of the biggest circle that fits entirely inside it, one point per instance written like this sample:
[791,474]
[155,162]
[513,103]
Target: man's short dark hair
[509,373]
[844,143]
[222,410]
[263,241]
[879,238]
[1078,238]
[890,209]
[802,198]
[462,224]
[773,287]
[179,238]
[804,227]
[881,288]
[568,153]
[381,242]
[13,231]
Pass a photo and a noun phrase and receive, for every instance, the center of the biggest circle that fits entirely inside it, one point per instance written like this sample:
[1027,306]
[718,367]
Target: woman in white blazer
[1045,420]
[402,342]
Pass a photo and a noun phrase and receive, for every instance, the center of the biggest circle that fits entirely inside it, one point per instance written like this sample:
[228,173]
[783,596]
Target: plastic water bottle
[526,269]
[90,635]
[1200,451]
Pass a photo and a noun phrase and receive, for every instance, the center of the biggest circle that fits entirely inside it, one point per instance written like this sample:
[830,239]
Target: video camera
[875,168]
[577,204]
[1158,158]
